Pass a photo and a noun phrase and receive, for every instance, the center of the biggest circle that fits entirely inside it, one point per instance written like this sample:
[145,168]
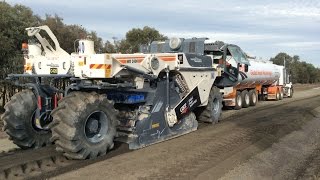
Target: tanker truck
[261,80]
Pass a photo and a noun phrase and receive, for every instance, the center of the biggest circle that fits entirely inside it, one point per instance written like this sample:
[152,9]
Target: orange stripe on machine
[126,60]
[100,66]
[168,58]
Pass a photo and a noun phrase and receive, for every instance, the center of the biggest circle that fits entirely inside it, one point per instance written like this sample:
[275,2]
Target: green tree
[98,42]
[13,21]
[109,47]
[66,34]
[124,47]
[136,37]
[301,71]
[279,59]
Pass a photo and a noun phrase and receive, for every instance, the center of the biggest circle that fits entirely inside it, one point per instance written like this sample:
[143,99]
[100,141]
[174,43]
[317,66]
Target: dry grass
[302,87]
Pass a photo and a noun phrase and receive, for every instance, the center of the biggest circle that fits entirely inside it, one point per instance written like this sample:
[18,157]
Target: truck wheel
[212,112]
[84,125]
[253,97]
[245,98]
[281,95]
[19,121]
[238,101]
[291,93]
[277,96]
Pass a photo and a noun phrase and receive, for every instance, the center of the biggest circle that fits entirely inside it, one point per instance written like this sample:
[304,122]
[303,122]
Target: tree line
[15,18]
[301,71]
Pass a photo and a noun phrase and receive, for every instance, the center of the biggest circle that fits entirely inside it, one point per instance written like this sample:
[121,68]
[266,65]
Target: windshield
[238,55]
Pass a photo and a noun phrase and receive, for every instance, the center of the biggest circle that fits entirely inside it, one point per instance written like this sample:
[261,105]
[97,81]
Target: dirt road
[279,140]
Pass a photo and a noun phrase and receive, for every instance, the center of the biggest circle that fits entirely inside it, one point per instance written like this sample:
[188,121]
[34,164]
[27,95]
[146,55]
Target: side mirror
[246,67]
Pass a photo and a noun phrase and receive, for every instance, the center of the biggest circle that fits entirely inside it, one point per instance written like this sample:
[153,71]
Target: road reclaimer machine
[139,99]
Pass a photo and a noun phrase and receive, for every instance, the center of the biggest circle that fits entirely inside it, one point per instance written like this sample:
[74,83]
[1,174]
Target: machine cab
[231,58]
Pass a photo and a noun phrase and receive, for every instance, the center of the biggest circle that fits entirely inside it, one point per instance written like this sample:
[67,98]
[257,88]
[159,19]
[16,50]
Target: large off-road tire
[19,122]
[84,125]
[238,101]
[212,112]
[245,98]
[253,97]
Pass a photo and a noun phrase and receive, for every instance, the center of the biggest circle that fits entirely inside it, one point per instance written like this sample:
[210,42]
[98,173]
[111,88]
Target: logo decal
[188,104]
[195,59]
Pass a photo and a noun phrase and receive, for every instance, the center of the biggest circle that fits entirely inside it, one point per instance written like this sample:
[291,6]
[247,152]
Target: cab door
[240,61]
[235,63]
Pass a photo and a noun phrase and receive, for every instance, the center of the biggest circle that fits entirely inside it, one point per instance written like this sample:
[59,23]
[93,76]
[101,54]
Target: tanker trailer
[259,80]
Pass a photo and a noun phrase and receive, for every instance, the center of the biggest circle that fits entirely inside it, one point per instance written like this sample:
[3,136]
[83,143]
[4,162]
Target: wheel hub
[254,98]
[93,125]
[42,122]
[239,101]
[96,126]
[247,99]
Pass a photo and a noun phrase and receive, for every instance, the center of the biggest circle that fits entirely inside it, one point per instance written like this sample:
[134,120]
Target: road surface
[279,140]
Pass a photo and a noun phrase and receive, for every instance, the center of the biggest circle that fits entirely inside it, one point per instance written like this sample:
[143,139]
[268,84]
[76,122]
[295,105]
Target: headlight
[154,63]
[175,43]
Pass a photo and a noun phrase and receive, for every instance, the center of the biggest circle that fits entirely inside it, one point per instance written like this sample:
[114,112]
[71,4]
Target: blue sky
[261,28]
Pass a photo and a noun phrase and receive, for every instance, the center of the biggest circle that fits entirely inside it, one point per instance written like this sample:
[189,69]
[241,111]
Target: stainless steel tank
[259,73]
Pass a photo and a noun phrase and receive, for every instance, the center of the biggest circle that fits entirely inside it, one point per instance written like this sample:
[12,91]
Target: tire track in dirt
[205,148]
[219,148]
[264,133]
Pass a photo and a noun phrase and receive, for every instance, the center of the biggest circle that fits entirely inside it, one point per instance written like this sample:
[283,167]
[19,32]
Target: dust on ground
[217,151]
[272,137]
[288,159]
[297,87]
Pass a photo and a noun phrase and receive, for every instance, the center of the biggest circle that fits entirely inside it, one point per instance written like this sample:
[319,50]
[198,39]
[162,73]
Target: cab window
[238,55]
